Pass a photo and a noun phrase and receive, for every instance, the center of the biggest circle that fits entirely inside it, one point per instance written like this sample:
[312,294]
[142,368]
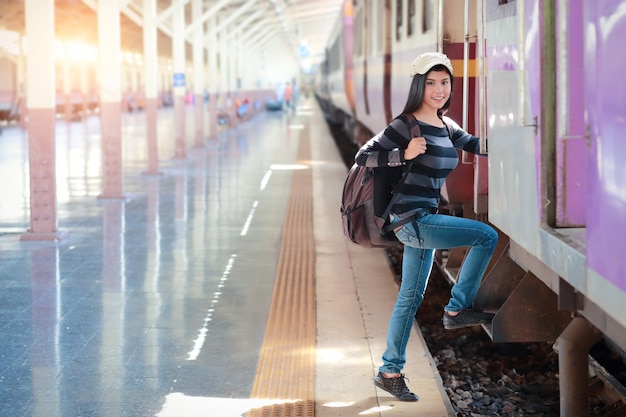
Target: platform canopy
[296,27]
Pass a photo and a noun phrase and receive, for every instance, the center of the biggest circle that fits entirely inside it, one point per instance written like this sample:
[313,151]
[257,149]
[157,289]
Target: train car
[541,80]
[554,154]
[334,81]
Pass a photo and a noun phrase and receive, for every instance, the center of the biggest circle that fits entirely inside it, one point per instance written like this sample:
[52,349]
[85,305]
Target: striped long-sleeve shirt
[428,172]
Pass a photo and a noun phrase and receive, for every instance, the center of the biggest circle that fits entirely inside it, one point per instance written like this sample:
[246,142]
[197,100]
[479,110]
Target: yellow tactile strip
[286,371]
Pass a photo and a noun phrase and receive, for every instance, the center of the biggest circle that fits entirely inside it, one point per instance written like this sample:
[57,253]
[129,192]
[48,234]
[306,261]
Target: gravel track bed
[483,378]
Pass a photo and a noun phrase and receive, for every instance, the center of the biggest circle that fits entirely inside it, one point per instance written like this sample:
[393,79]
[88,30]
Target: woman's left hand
[416,147]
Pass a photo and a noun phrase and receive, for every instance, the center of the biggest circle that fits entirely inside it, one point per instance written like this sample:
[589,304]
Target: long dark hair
[416,91]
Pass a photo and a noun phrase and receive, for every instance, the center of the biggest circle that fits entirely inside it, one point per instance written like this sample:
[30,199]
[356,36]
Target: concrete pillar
[213,80]
[232,80]
[133,81]
[178,52]
[198,74]
[67,88]
[109,65]
[84,90]
[21,84]
[39,18]
[225,93]
[125,90]
[150,65]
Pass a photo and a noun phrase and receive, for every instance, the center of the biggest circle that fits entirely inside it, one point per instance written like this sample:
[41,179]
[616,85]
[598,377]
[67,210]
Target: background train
[543,81]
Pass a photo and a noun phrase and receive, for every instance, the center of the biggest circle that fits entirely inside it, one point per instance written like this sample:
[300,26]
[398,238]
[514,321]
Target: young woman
[430,158]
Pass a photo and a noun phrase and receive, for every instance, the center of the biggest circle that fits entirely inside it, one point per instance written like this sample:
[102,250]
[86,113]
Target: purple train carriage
[543,81]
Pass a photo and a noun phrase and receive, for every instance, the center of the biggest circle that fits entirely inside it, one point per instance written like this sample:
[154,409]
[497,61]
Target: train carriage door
[367,49]
[605,110]
[561,126]
[570,175]
[387,41]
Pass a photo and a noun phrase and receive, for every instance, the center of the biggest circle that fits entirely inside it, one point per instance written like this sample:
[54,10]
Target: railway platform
[221,286]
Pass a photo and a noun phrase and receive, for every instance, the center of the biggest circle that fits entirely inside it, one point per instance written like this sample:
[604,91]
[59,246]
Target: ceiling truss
[297,23]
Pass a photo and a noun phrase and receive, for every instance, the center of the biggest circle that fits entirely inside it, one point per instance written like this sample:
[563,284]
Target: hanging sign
[179,79]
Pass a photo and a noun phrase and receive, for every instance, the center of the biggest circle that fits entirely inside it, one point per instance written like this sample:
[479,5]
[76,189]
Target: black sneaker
[466,318]
[396,387]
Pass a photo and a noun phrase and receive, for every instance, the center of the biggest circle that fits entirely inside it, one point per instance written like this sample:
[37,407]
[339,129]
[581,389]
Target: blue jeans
[420,238]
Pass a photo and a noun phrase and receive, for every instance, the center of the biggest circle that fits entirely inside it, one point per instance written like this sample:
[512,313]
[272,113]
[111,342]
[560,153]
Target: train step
[526,309]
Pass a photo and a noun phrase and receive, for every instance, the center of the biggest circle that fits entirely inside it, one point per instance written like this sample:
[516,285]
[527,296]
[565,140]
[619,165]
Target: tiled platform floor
[146,296]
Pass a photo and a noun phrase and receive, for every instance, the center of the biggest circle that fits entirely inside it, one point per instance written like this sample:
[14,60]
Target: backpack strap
[415,129]
[414,132]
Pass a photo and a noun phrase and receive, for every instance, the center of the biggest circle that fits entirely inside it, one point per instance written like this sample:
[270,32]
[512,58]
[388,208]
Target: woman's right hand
[417,146]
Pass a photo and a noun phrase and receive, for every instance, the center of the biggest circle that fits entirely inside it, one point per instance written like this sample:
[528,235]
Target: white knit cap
[425,62]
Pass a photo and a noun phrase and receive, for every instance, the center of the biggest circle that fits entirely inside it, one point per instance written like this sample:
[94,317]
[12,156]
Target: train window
[399,19]
[410,21]
[428,15]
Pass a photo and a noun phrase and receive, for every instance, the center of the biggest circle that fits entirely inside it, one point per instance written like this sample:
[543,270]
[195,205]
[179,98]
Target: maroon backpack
[365,205]
[367,200]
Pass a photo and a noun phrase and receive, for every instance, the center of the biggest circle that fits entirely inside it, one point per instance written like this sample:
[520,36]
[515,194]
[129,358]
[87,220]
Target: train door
[605,105]
[387,59]
[558,116]
[536,106]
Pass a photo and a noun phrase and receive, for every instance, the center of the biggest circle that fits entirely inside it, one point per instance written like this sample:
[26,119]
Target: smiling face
[437,90]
